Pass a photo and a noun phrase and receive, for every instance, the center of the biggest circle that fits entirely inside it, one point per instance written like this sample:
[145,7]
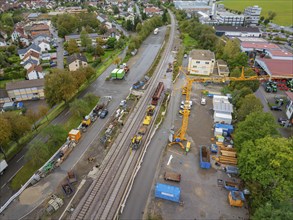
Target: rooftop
[252,39]
[259,45]
[277,68]
[25,84]
[237,29]
[202,55]
[76,56]
[290,95]
[280,53]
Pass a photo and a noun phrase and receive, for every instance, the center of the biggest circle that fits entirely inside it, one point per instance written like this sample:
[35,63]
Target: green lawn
[189,42]
[283,8]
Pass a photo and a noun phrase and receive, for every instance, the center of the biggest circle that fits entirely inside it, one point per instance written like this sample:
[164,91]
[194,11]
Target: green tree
[99,51]
[111,42]
[78,108]
[269,211]
[237,95]
[19,125]
[56,136]
[271,15]
[252,84]
[164,17]
[256,125]
[267,164]
[85,39]
[91,99]
[59,86]
[129,25]
[117,61]
[100,41]
[72,47]
[248,104]
[37,153]
[138,27]
[115,9]
[6,133]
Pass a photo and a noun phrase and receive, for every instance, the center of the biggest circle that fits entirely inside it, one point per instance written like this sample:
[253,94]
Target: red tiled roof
[40,27]
[36,68]
[36,33]
[152,10]
[290,95]
[279,67]
[260,45]
[31,53]
[282,53]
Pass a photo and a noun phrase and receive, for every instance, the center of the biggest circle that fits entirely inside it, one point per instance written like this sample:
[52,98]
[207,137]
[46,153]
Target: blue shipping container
[168,192]
[204,158]
[225,127]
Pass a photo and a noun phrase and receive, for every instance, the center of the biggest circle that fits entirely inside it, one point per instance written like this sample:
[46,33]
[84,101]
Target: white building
[289,107]
[35,72]
[237,31]
[230,18]
[201,62]
[45,46]
[252,15]
[222,109]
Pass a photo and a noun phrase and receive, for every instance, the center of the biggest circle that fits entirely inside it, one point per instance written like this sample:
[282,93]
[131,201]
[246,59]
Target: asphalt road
[118,90]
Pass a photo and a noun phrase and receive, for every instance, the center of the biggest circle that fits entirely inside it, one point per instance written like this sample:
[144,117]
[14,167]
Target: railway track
[102,198]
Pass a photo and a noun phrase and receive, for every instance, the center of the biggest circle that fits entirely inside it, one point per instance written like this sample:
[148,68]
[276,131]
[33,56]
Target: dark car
[276,108]
[104,113]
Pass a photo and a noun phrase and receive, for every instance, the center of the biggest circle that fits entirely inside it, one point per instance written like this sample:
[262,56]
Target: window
[197,61]
[194,66]
[207,62]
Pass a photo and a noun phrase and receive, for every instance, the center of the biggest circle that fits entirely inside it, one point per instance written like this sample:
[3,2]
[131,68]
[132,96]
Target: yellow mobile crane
[179,136]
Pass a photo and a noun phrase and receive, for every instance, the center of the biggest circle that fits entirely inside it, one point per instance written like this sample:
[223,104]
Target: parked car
[65,53]
[104,113]
[185,55]
[186,102]
[276,108]
[203,101]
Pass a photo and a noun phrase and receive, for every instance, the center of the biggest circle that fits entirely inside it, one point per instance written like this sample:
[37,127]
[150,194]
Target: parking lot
[201,196]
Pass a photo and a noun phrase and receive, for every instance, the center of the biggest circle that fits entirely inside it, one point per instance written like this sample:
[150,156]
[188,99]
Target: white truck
[156,31]
[3,166]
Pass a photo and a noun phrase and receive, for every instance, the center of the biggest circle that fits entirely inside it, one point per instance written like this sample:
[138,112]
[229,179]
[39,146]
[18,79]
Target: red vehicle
[157,94]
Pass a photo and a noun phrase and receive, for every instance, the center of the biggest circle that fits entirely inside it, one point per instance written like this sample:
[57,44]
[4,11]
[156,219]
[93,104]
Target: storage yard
[201,193]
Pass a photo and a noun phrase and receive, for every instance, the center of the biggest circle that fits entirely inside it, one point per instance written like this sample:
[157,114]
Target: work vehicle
[156,31]
[104,113]
[118,74]
[203,101]
[204,157]
[142,130]
[85,123]
[3,166]
[125,67]
[147,120]
[74,135]
[71,178]
[186,103]
[186,106]
[169,69]
[271,86]
[151,110]
[236,198]
[276,108]
[172,176]
[167,192]
[98,109]
[54,204]
[67,188]
[11,106]
[157,94]
[135,142]
[138,84]
[182,111]
[122,103]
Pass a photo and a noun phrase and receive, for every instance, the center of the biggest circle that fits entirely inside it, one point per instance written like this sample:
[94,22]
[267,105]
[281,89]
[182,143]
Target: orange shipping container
[74,135]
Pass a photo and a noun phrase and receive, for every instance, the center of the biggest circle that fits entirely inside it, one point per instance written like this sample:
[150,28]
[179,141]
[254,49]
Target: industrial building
[201,62]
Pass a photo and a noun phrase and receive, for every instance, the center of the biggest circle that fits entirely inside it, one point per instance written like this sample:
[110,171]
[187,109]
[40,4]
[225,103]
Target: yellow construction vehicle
[147,120]
[135,141]
[151,110]
[180,135]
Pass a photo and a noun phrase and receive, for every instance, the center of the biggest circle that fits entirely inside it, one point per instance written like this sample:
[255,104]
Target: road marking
[3,186]
[19,159]
[15,174]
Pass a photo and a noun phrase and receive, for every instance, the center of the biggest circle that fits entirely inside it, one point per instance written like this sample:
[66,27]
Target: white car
[186,103]
[203,101]
[185,55]
[188,107]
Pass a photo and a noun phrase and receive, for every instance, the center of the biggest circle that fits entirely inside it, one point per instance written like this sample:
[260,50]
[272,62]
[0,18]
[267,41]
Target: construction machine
[135,142]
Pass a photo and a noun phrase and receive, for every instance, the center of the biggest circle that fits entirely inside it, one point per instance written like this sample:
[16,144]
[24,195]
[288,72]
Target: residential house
[31,55]
[35,72]
[289,106]
[276,68]
[28,63]
[20,35]
[4,96]
[237,31]
[45,46]
[40,38]
[223,69]
[26,90]
[76,61]
[32,47]
[2,43]
[33,16]
[40,29]
[201,62]
[223,109]
[151,11]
